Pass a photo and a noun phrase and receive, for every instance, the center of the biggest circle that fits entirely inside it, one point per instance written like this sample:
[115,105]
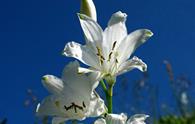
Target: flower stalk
[109,93]
[109,97]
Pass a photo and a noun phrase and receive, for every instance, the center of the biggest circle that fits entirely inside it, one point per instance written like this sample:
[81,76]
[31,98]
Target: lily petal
[83,53]
[133,63]
[94,75]
[97,106]
[47,107]
[100,121]
[81,84]
[131,42]
[93,32]
[58,120]
[82,70]
[115,32]
[117,17]
[138,119]
[53,84]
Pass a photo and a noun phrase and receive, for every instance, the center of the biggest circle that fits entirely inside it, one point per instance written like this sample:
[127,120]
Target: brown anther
[116,60]
[109,57]
[114,44]
[102,58]
[84,104]
[75,106]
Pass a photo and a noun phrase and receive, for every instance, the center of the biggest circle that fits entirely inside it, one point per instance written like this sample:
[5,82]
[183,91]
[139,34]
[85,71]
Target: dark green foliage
[172,119]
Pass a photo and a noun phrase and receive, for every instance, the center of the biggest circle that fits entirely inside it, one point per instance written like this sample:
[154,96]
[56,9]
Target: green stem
[109,93]
[109,98]
[103,86]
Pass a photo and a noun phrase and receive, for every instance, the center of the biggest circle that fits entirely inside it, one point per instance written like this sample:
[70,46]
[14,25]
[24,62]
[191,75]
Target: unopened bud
[88,8]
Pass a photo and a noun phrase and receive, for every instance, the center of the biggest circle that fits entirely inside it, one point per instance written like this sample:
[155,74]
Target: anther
[84,104]
[116,60]
[109,57]
[67,108]
[114,44]
[101,57]
[73,105]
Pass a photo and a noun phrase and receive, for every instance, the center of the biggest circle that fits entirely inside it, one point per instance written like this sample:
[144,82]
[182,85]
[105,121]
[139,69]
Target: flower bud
[88,8]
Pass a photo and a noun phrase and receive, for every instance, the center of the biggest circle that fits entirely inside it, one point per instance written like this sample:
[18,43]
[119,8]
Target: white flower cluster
[107,53]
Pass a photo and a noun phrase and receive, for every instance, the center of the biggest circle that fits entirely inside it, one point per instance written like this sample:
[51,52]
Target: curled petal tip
[44,78]
[63,53]
[81,16]
[144,69]
[120,14]
[148,33]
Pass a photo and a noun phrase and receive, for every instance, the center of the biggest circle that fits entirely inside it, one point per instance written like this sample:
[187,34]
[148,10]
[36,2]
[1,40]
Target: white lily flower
[122,119]
[108,51]
[73,96]
[88,8]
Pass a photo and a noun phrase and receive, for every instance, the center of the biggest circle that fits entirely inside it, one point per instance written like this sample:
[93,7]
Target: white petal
[79,83]
[100,121]
[96,107]
[133,63]
[58,120]
[53,84]
[131,42]
[83,53]
[138,119]
[85,70]
[117,17]
[115,32]
[93,32]
[116,119]
[94,75]
[47,107]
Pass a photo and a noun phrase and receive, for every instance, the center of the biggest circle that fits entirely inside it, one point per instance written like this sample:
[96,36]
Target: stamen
[75,109]
[67,108]
[73,106]
[99,54]
[110,55]
[116,60]
[101,61]
[84,104]
[114,44]
[102,58]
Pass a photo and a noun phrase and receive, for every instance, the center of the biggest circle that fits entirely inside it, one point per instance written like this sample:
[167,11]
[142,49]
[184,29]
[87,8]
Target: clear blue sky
[33,34]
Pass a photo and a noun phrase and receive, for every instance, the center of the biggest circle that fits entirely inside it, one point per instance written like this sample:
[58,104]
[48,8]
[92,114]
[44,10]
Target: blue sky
[33,34]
